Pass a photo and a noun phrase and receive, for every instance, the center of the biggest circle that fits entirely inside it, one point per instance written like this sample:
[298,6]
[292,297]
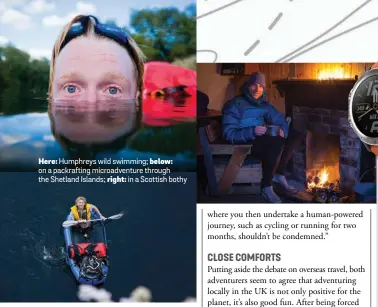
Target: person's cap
[257,78]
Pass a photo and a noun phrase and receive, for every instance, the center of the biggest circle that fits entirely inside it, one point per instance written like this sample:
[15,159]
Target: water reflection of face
[94,90]
[97,122]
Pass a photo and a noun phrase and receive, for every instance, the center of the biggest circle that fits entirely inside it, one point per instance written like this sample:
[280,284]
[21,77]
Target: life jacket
[77,251]
[75,212]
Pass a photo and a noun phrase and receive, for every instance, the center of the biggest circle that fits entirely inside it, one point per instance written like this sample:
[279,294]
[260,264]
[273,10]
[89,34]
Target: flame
[336,73]
[323,179]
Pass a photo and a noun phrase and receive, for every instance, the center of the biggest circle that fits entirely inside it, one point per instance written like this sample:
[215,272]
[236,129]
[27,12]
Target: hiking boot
[270,196]
[281,180]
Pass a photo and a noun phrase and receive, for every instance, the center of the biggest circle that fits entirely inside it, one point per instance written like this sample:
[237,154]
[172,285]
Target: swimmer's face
[91,69]
[94,90]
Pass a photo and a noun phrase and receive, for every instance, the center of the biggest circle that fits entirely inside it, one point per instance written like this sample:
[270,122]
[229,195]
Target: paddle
[67,224]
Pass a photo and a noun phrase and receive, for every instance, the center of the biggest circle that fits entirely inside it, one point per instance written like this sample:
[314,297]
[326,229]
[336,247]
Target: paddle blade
[115,217]
[67,224]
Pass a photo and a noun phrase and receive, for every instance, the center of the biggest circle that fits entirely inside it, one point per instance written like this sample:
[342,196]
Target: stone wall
[333,122]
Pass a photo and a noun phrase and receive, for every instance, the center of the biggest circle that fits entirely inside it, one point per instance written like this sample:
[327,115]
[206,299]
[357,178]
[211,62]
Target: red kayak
[169,94]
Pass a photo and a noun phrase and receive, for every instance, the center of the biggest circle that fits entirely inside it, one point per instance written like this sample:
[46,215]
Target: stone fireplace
[320,108]
[320,161]
[330,144]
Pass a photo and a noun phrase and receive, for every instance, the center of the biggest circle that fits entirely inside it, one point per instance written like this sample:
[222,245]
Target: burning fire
[322,189]
[319,181]
[337,73]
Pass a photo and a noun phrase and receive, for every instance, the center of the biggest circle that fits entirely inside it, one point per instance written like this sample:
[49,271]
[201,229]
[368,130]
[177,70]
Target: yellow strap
[88,208]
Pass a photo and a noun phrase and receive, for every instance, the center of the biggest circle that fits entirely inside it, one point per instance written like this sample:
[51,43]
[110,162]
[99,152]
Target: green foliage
[147,47]
[189,62]
[168,31]
[21,79]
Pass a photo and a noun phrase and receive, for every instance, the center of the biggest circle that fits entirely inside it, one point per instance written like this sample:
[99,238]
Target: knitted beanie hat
[256,78]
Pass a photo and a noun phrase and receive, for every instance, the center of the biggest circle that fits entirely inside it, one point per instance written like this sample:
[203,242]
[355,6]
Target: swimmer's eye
[113,90]
[70,88]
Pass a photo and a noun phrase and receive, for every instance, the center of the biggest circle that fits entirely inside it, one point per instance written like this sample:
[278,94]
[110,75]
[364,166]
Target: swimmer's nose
[91,95]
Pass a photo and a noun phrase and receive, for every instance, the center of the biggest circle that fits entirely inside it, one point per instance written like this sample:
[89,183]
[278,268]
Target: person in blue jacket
[244,120]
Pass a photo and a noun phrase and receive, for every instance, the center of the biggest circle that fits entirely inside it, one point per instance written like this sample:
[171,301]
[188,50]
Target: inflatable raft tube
[96,235]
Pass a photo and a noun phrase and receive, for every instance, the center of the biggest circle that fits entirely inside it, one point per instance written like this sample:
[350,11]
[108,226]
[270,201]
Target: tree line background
[165,34]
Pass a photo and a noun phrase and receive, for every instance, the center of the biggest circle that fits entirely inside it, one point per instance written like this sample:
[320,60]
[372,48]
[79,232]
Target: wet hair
[134,52]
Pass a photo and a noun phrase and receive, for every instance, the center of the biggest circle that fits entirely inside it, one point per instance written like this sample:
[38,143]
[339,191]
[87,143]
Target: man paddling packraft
[82,212]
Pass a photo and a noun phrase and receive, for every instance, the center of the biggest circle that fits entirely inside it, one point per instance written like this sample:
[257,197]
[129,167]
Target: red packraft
[77,251]
[169,94]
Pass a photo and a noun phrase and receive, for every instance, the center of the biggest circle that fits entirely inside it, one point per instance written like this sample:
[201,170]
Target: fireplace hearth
[330,146]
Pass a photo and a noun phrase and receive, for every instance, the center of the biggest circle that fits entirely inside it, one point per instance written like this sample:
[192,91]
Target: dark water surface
[153,245]
[167,131]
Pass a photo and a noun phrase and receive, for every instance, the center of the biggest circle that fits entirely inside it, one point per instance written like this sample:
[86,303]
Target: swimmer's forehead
[85,48]
[93,55]
[103,56]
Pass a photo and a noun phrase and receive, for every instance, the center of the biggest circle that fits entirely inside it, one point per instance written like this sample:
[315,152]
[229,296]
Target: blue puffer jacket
[243,113]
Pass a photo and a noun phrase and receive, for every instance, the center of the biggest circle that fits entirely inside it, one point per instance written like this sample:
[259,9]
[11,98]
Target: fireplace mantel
[325,82]
[325,94]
